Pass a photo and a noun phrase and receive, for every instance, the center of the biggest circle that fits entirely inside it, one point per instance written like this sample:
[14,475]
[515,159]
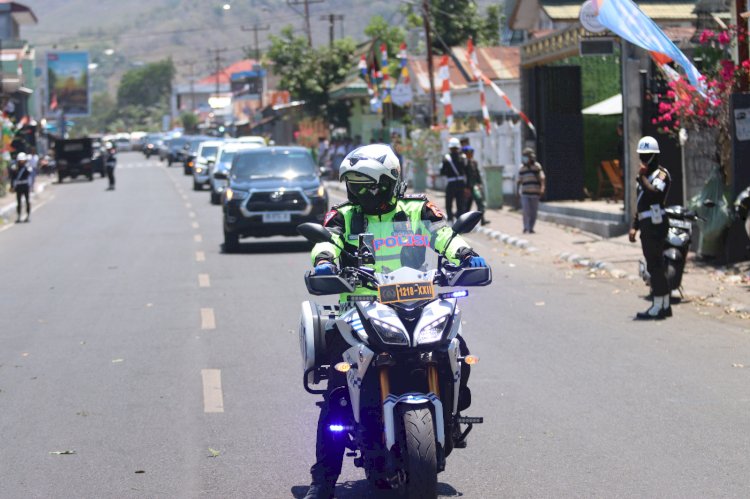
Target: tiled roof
[497,63]
[225,74]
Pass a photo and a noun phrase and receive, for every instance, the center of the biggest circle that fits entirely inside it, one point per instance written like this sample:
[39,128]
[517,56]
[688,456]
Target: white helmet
[372,176]
[648,145]
[454,142]
[22,157]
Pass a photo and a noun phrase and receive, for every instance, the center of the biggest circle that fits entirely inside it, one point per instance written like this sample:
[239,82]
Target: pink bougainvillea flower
[746,65]
[724,38]
[706,35]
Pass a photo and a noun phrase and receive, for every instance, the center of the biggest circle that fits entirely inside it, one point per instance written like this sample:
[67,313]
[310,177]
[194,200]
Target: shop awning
[607,107]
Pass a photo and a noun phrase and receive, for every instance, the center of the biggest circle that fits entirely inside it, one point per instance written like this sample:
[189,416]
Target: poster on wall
[68,83]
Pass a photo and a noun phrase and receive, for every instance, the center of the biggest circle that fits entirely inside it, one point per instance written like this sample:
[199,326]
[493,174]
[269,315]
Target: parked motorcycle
[398,414]
[679,237]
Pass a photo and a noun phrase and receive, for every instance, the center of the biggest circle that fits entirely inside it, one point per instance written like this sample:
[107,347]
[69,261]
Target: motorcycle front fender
[389,407]
[359,357]
[673,254]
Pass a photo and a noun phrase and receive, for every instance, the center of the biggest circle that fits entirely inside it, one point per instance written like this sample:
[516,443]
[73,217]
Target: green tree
[453,22]
[147,86]
[309,73]
[189,121]
[489,32]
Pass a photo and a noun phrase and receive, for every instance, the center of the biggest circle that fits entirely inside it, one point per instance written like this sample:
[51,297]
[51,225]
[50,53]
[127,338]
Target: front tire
[197,186]
[231,242]
[215,198]
[419,452]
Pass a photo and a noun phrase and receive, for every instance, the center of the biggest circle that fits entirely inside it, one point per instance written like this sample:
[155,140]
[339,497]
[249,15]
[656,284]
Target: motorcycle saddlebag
[312,330]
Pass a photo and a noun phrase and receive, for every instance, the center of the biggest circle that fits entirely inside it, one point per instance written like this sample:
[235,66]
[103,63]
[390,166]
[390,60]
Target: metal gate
[553,97]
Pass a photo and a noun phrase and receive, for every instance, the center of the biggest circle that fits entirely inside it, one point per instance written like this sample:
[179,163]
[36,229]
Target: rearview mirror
[315,233]
[466,222]
[325,172]
[220,175]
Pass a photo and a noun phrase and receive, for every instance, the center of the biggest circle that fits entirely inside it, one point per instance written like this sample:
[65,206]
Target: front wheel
[215,197]
[197,186]
[231,242]
[419,452]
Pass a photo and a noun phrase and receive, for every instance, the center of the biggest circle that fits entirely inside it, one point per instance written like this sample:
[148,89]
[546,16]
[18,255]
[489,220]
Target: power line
[306,3]
[217,60]
[332,18]
[255,28]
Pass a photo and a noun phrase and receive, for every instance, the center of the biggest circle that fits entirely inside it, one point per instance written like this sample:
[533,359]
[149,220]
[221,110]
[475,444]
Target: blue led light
[336,428]
[460,294]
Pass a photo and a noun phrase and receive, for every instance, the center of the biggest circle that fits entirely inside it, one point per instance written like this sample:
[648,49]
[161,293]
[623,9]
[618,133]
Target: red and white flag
[444,75]
[474,65]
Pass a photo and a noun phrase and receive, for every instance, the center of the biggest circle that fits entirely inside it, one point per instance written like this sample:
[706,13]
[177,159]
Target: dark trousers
[22,192]
[653,239]
[455,190]
[479,200]
[111,175]
[329,446]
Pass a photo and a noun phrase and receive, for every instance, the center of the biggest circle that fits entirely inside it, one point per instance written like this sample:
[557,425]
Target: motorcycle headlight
[389,333]
[433,331]
[238,195]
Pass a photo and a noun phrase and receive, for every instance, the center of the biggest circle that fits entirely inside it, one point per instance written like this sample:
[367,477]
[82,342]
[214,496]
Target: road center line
[196,225]
[198,238]
[200,256]
[191,214]
[204,281]
[213,398]
[208,321]
[188,205]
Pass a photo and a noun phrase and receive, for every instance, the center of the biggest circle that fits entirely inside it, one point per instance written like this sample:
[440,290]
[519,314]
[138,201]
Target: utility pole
[306,3]
[332,18]
[191,65]
[217,61]
[430,67]
[255,28]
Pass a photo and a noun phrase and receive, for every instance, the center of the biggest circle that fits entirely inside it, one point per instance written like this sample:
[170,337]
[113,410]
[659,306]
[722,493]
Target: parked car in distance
[223,164]
[271,191]
[73,158]
[189,151]
[204,160]
[151,144]
[251,139]
[174,149]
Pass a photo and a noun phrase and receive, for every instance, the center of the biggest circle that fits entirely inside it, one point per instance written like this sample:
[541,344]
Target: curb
[507,239]
[10,208]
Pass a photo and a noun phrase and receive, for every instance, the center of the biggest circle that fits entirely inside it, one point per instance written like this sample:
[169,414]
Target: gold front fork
[385,384]
[432,379]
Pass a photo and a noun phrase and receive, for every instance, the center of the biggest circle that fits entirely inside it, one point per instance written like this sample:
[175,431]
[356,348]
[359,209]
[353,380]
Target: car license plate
[406,291]
[276,218]
[680,224]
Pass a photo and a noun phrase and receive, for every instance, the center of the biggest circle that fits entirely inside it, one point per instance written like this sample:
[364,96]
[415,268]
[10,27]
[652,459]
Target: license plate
[680,224]
[275,218]
[406,291]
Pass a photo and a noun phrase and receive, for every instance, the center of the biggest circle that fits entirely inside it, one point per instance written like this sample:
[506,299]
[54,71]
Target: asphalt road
[173,370]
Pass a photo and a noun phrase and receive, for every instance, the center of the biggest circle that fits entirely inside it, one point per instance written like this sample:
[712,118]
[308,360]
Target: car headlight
[198,169]
[234,194]
[316,193]
[389,333]
[433,331]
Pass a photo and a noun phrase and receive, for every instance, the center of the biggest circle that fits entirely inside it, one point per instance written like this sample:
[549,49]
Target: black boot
[319,491]
[657,311]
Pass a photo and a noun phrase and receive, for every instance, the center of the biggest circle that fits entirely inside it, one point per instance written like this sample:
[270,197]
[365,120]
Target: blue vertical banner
[624,18]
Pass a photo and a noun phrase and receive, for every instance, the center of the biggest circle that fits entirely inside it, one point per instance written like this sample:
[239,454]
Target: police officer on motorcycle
[375,192]
[653,186]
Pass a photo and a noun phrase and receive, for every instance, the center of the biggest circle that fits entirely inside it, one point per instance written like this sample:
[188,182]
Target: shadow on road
[270,247]
[361,489]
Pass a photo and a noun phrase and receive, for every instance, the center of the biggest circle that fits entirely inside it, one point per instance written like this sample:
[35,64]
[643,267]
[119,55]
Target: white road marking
[204,281]
[198,238]
[208,321]
[188,205]
[200,256]
[196,225]
[191,214]
[34,207]
[213,398]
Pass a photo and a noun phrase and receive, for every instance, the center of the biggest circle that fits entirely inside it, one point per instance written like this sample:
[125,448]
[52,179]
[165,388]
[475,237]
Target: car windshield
[280,164]
[209,152]
[226,157]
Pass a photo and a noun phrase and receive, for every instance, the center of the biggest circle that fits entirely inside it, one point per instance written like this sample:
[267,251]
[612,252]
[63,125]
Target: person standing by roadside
[651,194]
[34,165]
[20,183]
[532,185]
[454,171]
[474,182]
[110,163]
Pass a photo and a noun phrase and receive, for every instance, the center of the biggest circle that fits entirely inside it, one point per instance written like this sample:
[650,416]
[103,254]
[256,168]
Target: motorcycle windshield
[404,259]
